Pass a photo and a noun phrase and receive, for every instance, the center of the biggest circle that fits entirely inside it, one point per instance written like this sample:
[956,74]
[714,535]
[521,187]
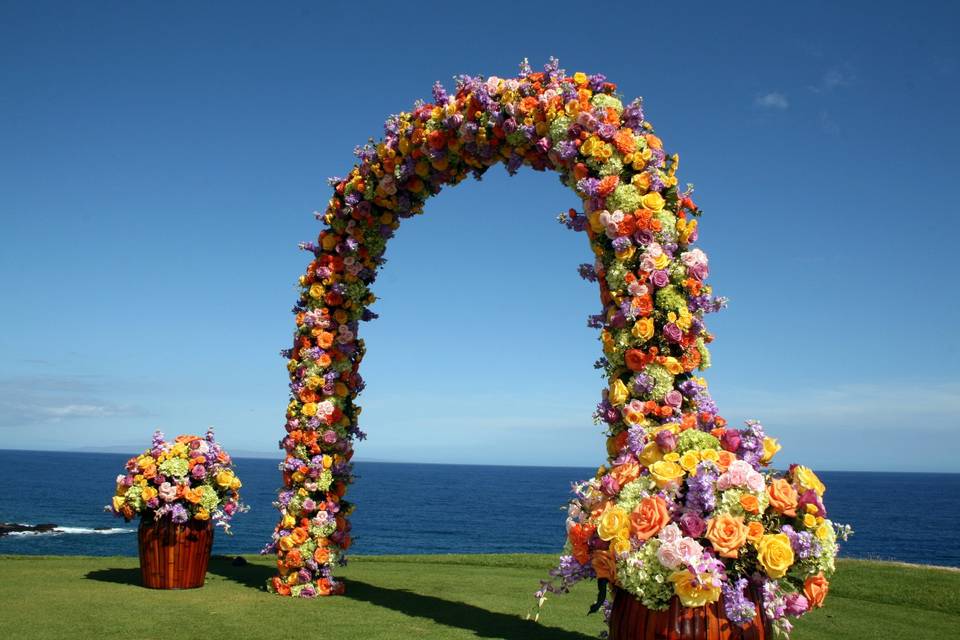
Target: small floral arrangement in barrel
[694,514]
[190,477]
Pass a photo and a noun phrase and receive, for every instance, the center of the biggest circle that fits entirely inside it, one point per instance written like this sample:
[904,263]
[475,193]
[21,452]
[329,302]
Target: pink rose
[669,556]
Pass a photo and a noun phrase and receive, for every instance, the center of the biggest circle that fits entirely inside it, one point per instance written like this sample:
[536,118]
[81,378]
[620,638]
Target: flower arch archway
[640,225]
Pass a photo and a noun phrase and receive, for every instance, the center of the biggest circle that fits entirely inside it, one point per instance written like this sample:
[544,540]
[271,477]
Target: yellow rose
[621,543]
[824,531]
[653,201]
[666,473]
[288,522]
[612,521]
[809,520]
[651,453]
[643,329]
[309,409]
[287,543]
[593,219]
[225,478]
[690,460]
[808,480]
[313,382]
[316,290]
[661,261]
[118,502]
[673,366]
[618,392]
[236,484]
[770,448]
[673,456]
[690,593]
[327,461]
[710,455]
[202,514]
[149,493]
[775,554]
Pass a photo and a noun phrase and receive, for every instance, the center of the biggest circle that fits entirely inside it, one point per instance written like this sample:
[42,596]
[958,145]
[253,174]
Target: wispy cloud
[772,100]
[893,405]
[26,401]
[834,78]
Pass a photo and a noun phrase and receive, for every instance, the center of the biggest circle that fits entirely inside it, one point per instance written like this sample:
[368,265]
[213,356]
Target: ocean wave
[59,531]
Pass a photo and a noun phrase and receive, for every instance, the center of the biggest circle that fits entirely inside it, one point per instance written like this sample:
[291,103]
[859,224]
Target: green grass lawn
[455,596]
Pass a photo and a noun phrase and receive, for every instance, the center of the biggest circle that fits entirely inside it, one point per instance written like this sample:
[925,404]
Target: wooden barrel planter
[174,556]
[630,620]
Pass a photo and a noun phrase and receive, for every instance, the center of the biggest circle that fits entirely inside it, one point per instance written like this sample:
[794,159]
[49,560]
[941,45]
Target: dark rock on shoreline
[13,527]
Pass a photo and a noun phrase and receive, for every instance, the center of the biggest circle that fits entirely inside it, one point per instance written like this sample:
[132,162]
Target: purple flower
[730,440]
[672,332]
[179,514]
[609,485]
[199,472]
[636,439]
[797,604]
[660,278]
[740,610]
[700,490]
[692,524]
[666,440]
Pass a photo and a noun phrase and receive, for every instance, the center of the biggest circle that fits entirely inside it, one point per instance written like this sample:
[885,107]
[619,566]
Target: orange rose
[750,503]
[815,589]
[649,517]
[293,559]
[321,555]
[725,459]
[193,495]
[299,535]
[605,565]
[579,536]
[635,359]
[625,473]
[783,497]
[754,531]
[727,534]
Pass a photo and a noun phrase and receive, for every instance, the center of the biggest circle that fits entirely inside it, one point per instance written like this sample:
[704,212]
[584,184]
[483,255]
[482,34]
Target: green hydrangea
[176,467]
[323,531]
[516,138]
[612,167]
[693,439]
[209,498]
[642,574]
[704,355]
[558,128]
[670,299]
[662,381]
[325,480]
[604,101]
[625,197]
[616,276]
[134,497]
[633,492]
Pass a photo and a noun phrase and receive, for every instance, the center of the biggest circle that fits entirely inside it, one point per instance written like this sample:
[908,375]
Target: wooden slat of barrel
[174,556]
[630,620]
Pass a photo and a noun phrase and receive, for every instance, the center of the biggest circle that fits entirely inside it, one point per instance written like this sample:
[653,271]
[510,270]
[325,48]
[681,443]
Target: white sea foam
[59,531]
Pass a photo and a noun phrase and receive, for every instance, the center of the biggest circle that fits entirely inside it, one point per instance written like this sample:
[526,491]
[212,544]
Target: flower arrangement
[191,477]
[690,513]
[664,434]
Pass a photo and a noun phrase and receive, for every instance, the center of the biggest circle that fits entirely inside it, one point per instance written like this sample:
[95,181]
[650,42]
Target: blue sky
[159,164]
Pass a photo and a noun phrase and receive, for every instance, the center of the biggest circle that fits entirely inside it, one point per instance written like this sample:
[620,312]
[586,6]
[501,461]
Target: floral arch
[641,227]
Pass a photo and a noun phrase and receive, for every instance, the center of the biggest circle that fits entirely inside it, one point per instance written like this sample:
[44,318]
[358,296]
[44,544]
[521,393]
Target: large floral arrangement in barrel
[189,478]
[664,432]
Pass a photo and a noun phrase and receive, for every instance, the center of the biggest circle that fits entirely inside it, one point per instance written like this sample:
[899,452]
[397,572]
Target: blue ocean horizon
[414,508]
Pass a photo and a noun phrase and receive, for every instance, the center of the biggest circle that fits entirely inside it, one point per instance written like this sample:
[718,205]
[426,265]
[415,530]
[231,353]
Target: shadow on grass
[118,576]
[482,622]
[250,575]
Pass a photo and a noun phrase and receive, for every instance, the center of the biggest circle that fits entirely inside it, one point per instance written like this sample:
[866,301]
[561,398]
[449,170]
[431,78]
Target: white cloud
[772,100]
[26,401]
[834,78]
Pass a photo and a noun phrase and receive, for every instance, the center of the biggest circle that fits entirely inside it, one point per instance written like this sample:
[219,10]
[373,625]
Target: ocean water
[426,508]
